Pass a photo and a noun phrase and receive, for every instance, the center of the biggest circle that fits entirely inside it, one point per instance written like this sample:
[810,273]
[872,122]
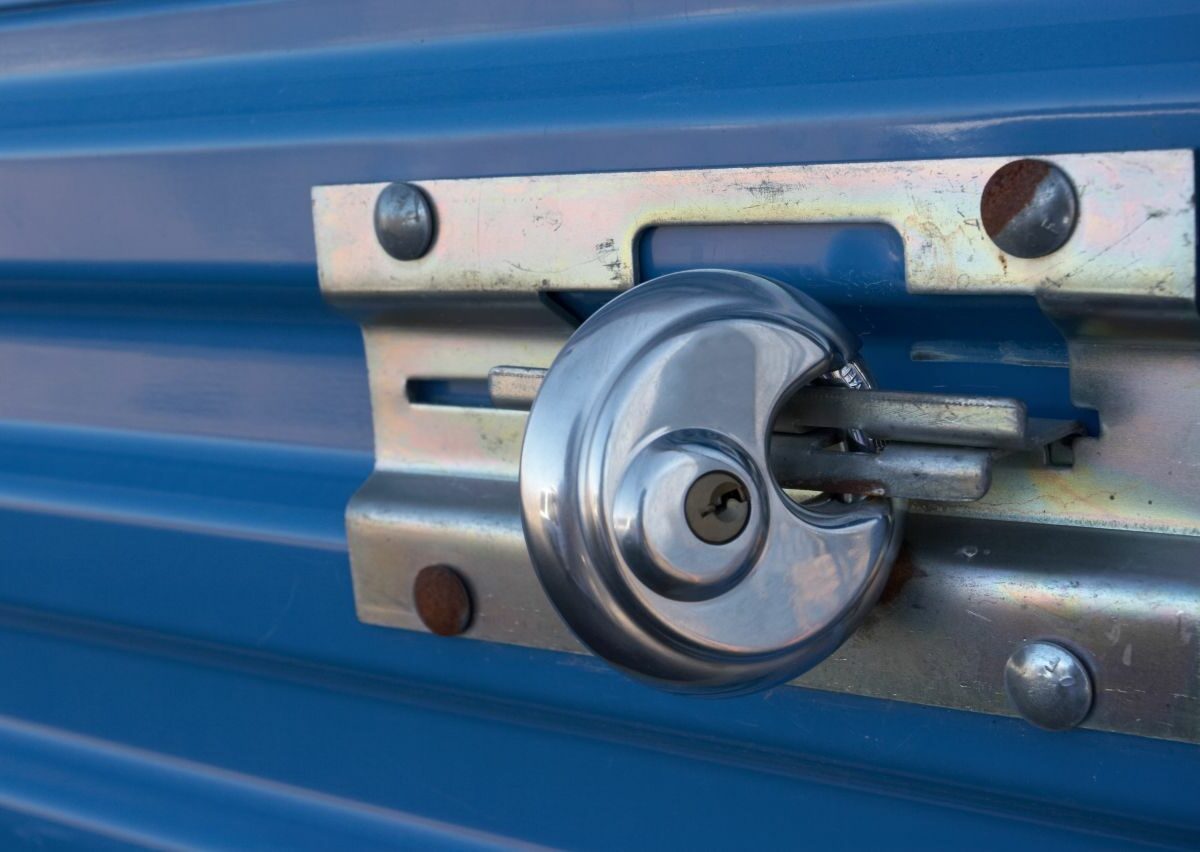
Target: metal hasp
[939,446]
[1098,555]
[635,412]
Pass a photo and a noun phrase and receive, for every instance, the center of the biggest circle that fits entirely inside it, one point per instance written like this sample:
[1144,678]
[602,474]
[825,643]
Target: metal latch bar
[940,446]
[912,471]
[514,387]
[922,418]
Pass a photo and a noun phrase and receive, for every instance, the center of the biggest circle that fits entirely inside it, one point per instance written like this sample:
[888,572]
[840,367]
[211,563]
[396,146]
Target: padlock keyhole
[717,507]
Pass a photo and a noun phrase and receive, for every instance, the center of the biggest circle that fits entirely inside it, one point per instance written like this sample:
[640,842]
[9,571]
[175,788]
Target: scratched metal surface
[183,420]
[1135,239]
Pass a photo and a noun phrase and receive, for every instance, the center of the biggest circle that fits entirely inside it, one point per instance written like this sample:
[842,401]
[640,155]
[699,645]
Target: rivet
[403,221]
[442,600]
[1048,685]
[1028,208]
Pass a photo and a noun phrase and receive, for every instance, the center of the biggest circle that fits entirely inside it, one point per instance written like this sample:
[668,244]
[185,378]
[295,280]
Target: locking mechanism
[700,403]
[701,482]
[717,507]
[651,512]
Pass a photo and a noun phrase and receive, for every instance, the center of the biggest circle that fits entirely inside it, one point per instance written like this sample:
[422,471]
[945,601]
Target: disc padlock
[649,508]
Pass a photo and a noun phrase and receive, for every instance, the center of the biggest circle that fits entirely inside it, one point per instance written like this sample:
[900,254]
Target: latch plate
[1100,556]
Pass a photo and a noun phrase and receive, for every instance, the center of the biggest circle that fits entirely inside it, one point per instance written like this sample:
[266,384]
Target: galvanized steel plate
[1135,235]
[1029,562]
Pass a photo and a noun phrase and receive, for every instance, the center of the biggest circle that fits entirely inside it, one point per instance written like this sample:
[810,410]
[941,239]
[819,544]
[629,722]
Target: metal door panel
[182,421]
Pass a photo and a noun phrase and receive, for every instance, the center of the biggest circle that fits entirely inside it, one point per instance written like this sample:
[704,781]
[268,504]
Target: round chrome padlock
[649,508]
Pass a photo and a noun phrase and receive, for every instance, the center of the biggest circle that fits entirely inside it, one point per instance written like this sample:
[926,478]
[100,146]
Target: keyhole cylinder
[717,507]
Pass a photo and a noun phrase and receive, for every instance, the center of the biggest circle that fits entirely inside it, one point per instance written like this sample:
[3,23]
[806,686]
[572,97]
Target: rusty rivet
[1028,208]
[442,599]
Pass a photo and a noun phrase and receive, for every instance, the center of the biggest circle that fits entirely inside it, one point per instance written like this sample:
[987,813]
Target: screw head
[717,507]
[403,221]
[1048,685]
[1028,208]
[442,599]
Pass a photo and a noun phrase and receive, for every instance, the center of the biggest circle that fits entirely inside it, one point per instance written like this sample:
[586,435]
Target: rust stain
[442,600]
[903,571]
[1008,191]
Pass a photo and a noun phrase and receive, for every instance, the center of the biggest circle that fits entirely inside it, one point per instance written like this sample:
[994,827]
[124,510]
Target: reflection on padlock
[649,506]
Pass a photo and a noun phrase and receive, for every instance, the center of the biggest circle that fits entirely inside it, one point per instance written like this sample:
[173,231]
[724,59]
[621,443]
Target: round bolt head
[442,599]
[1028,208]
[1048,685]
[717,507]
[403,221]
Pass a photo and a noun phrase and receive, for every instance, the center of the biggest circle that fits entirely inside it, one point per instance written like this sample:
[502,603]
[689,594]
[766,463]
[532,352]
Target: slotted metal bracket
[1082,554]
